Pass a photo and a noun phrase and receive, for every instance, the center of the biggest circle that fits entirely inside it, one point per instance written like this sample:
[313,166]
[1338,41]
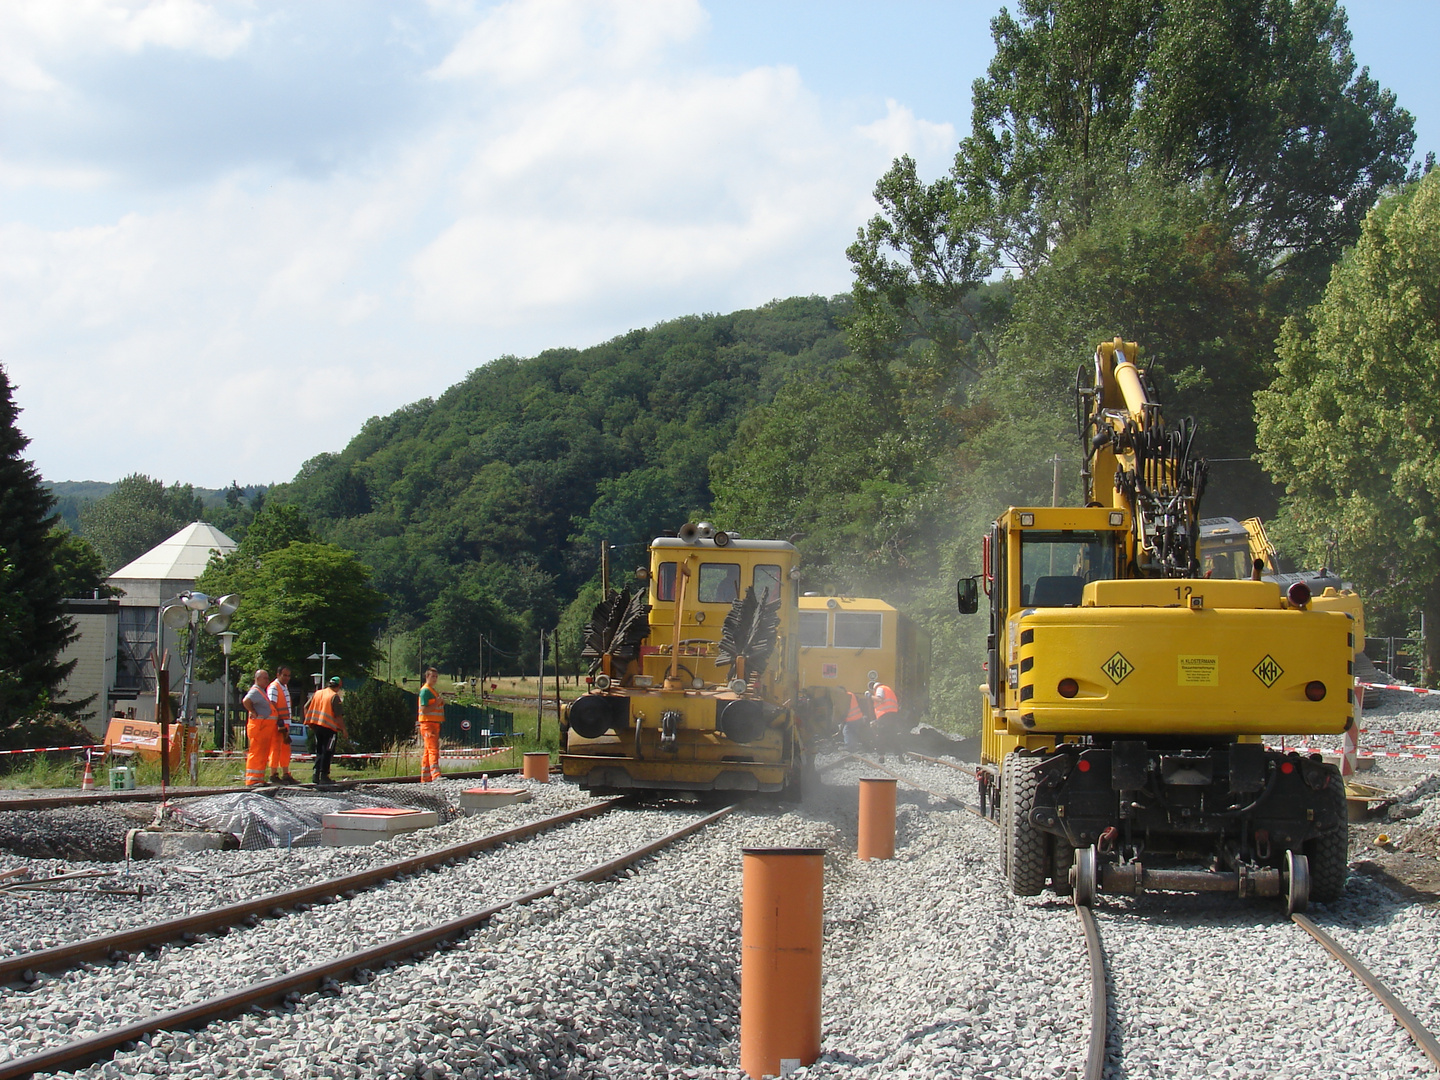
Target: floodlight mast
[188,609]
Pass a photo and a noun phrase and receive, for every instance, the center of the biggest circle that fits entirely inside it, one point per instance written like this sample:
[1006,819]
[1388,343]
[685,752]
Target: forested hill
[503,489]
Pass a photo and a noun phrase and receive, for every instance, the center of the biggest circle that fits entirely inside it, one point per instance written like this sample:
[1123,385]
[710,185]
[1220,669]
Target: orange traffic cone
[87,782]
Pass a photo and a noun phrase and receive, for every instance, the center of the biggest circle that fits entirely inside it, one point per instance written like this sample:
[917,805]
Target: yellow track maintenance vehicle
[1127,697]
[694,676]
[847,641]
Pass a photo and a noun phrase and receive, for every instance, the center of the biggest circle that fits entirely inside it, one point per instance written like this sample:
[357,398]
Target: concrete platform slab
[474,800]
[370,825]
[146,844]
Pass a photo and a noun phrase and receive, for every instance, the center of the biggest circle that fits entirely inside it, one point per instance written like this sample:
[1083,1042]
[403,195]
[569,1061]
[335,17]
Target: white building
[161,574]
[94,652]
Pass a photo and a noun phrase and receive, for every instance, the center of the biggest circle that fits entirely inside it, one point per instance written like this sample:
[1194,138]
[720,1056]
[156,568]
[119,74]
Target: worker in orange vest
[854,726]
[325,718]
[279,694]
[432,715]
[259,729]
[887,714]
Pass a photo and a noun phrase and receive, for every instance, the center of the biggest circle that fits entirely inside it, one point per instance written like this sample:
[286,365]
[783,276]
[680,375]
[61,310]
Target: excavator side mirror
[967,595]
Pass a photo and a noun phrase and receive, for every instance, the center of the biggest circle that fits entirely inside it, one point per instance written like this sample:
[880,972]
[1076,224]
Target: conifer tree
[34,628]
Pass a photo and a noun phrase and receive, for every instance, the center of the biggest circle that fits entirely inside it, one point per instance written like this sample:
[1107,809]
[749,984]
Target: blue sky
[231,232]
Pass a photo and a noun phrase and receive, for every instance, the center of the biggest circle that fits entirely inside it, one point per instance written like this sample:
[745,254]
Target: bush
[379,714]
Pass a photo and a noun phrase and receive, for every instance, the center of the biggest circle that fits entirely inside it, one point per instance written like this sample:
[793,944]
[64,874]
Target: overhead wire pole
[540,692]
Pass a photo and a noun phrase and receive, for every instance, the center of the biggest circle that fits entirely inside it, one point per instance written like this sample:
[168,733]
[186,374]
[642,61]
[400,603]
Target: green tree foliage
[291,600]
[1351,425]
[516,474]
[34,629]
[456,619]
[379,715]
[137,515]
[81,570]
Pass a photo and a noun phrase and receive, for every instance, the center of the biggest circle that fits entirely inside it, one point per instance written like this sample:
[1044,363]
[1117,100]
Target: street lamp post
[322,656]
[227,641]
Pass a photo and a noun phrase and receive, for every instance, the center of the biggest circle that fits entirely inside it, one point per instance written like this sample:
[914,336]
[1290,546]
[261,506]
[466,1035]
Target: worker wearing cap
[326,720]
[259,729]
[887,713]
[432,715]
[279,694]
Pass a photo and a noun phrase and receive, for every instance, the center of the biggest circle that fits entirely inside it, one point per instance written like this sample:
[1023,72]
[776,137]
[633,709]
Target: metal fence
[471,725]
[1398,657]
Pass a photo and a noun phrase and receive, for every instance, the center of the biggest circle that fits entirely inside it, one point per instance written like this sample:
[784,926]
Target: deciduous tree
[1351,425]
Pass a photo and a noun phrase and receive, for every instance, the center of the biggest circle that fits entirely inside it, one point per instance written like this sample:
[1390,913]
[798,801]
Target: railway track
[26,967]
[324,975]
[1098,1039]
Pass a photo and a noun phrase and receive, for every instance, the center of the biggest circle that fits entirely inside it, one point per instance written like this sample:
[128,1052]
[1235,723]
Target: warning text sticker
[1198,670]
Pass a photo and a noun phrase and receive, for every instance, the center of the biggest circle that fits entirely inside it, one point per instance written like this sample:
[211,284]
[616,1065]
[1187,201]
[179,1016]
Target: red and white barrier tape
[1362,753]
[1397,686]
[49,749]
[1401,734]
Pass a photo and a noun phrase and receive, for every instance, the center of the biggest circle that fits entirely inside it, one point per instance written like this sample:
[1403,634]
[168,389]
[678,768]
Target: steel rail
[25,966]
[317,977]
[919,787]
[1427,1042]
[92,798]
[1099,1012]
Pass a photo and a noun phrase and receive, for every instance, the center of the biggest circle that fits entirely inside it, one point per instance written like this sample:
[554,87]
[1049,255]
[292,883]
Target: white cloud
[574,180]
[37,33]
[525,41]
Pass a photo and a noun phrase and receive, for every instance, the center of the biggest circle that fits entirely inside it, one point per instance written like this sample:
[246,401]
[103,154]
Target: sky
[230,232]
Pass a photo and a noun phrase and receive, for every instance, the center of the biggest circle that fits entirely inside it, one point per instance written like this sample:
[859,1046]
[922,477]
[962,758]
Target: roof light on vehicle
[1117,517]
[1315,690]
[1068,688]
[1027,519]
[1298,594]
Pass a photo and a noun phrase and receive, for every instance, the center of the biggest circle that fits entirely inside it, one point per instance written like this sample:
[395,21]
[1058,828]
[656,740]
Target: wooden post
[604,569]
[162,714]
[556,640]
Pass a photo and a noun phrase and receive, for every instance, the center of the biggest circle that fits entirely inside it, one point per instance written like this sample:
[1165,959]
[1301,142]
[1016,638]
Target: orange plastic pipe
[536,766]
[877,819]
[780,959]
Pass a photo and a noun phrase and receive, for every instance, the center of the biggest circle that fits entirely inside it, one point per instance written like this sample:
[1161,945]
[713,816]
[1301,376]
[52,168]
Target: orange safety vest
[433,711]
[320,711]
[279,703]
[884,700]
[856,713]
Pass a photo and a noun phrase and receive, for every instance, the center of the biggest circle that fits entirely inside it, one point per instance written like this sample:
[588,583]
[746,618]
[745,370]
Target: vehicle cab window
[767,579]
[1055,567]
[719,583]
[665,583]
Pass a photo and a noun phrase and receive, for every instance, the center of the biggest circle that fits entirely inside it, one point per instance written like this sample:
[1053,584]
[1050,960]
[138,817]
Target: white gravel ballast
[931,967]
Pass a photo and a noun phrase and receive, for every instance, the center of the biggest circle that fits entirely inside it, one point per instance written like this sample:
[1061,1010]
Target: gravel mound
[75,832]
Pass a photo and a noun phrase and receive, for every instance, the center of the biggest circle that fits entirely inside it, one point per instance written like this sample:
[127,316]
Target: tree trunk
[1430,643]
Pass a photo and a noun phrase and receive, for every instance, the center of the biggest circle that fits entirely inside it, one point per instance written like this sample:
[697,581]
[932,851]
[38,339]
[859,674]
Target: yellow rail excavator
[1127,695]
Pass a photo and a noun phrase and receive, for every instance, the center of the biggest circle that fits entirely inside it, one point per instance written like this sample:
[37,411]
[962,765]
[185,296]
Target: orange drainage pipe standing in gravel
[536,766]
[780,959]
[877,819]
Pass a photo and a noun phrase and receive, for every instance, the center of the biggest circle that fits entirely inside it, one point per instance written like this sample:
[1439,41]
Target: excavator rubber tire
[1027,844]
[1329,855]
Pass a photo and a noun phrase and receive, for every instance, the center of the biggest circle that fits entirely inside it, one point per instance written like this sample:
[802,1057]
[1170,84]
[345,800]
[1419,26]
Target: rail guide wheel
[1086,876]
[1297,883]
